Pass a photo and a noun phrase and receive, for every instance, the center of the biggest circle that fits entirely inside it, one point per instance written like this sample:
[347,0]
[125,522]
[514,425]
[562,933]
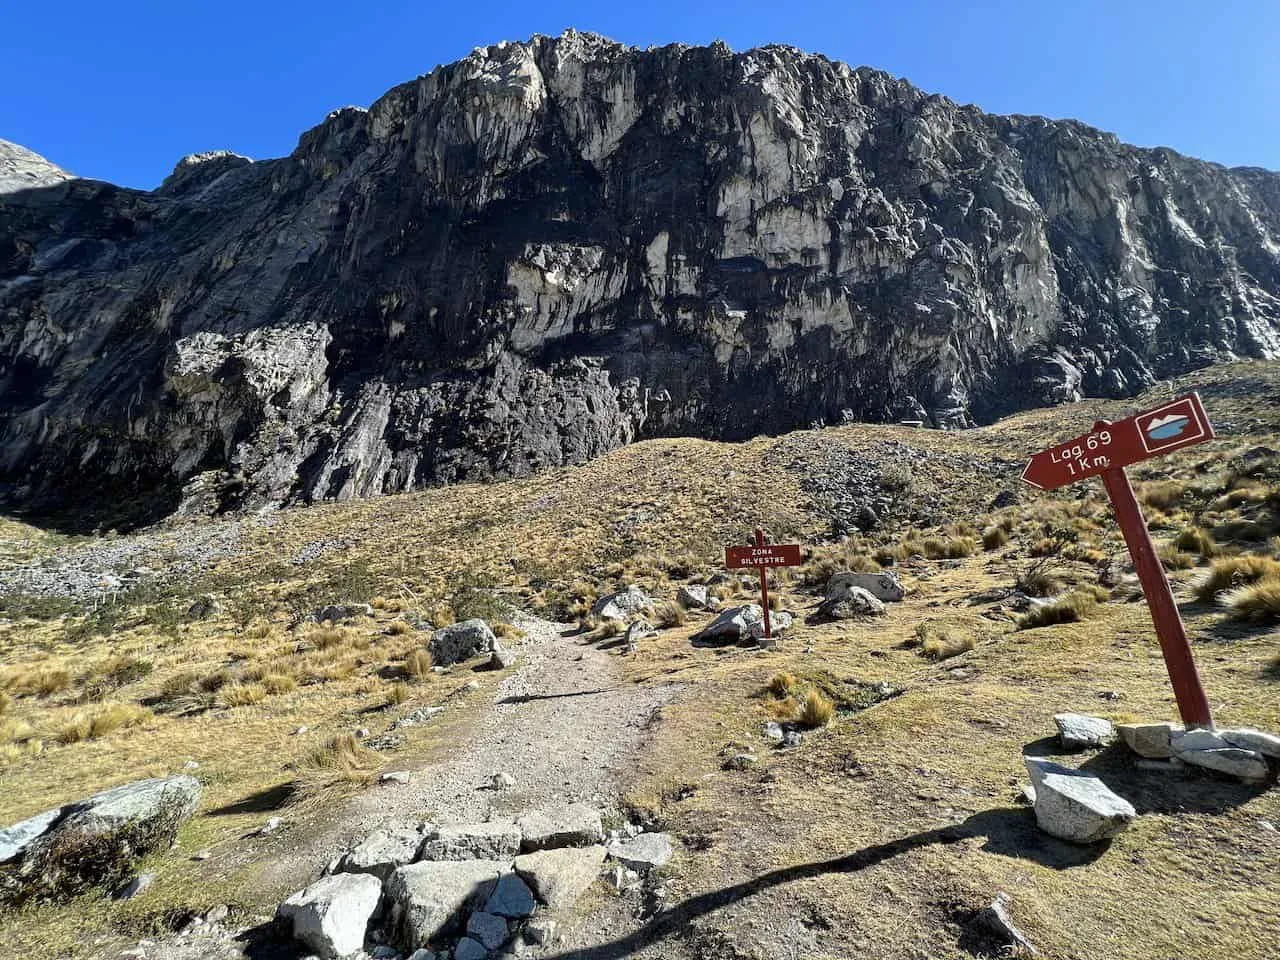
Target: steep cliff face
[552,248]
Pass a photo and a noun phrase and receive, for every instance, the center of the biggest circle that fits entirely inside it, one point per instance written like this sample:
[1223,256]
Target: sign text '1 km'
[1104,452]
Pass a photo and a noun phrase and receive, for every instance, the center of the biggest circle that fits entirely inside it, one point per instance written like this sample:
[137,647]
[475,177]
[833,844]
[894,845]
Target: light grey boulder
[1200,738]
[382,851]
[849,602]
[644,852]
[429,899]
[497,840]
[1234,762]
[1246,738]
[622,605]
[469,949]
[488,928]
[332,915]
[885,587]
[733,625]
[1074,805]
[95,841]
[1076,731]
[779,622]
[570,825]
[340,612]
[511,898]
[461,641]
[693,597]
[560,877]
[1150,740]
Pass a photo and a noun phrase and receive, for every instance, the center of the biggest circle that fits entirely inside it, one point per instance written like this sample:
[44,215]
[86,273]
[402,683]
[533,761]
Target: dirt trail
[563,725]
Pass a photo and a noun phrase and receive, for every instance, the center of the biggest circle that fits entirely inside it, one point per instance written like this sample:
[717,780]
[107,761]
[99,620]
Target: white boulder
[331,915]
[1074,805]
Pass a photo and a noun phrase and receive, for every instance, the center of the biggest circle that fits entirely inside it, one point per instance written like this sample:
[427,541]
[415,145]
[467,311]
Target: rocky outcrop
[552,248]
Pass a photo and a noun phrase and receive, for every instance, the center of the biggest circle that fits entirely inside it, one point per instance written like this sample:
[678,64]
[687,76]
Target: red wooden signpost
[762,556]
[1105,451]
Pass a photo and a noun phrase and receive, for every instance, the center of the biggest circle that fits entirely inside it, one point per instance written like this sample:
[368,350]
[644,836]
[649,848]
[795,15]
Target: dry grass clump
[277,683]
[938,642]
[608,628]
[398,694]
[994,537]
[1174,559]
[1258,602]
[1234,572]
[953,548]
[326,638]
[507,631]
[398,628]
[90,725]
[418,663]
[1162,494]
[782,684]
[815,710]
[1040,578]
[37,682]
[1198,541]
[341,761]
[1072,608]
[828,559]
[6,702]
[13,730]
[241,695]
[669,614]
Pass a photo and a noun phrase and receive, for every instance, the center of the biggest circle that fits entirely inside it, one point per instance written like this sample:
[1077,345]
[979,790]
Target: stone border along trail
[563,725]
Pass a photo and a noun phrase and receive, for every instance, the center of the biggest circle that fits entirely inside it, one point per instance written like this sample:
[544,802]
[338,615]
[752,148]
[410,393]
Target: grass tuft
[1258,602]
[341,761]
[995,537]
[1233,572]
[90,725]
[941,642]
[815,710]
[1072,608]
[782,684]
[418,663]
[241,695]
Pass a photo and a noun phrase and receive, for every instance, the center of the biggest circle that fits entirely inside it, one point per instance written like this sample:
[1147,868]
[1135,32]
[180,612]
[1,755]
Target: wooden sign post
[762,556]
[1104,452]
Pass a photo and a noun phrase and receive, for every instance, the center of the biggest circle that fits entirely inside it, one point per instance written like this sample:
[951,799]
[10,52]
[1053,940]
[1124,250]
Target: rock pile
[477,890]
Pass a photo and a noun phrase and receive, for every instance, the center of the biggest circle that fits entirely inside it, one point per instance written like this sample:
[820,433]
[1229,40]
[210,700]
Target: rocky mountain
[552,248]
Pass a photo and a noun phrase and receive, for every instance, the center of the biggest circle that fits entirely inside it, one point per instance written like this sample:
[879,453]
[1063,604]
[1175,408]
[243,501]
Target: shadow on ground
[264,801]
[1009,832]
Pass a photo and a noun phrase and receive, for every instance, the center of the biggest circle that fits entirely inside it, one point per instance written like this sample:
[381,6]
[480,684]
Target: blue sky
[121,90]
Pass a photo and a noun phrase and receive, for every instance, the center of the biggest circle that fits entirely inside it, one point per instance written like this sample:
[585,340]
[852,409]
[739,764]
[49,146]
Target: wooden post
[764,589]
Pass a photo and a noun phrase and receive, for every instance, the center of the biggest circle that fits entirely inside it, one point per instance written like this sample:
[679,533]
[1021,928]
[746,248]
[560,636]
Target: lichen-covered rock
[461,641]
[552,248]
[93,842]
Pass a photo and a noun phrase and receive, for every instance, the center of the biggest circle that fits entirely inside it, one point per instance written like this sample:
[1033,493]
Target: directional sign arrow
[1166,428]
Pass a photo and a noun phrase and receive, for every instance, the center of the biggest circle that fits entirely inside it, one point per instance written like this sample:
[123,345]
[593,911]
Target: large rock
[332,914]
[1011,262]
[1246,765]
[382,851]
[1150,740]
[740,624]
[884,586]
[497,840]
[645,852]
[95,841]
[1076,731]
[1074,805]
[848,601]
[511,898]
[622,605]
[461,641]
[571,825]
[431,899]
[560,877]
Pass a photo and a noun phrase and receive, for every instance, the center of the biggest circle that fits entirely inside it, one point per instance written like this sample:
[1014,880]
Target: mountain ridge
[551,248]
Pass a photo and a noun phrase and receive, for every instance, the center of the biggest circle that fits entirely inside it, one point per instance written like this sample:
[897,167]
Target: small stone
[1151,740]
[511,898]
[362,733]
[645,852]
[396,777]
[773,731]
[792,738]
[218,913]
[1076,731]
[489,929]
[1267,825]
[202,855]
[501,659]
[468,949]
[502,781]
[997,919]
[299,731]
[1074,805]
[741,761]
[137,886]
[271,826]
[541,931]
[191,765]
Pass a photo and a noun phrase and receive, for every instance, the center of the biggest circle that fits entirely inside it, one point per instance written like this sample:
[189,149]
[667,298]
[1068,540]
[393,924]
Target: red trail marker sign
[761,557]
[1104,452]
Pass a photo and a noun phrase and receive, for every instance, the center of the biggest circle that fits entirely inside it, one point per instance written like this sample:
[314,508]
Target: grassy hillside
[882,833]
